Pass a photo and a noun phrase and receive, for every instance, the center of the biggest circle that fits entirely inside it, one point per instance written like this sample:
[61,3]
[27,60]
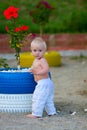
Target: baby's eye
[40,50]
[34,50]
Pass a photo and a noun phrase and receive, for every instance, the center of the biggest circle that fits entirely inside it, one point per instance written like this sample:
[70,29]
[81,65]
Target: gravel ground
[70,100]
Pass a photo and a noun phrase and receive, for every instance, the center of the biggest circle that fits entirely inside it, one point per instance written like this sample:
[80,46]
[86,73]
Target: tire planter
[16,89]
[53,58]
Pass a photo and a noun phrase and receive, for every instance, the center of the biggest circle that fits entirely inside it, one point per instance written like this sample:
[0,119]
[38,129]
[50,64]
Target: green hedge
[69,16]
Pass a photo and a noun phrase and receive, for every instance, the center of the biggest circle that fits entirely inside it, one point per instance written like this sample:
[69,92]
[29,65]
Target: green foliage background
[69,16]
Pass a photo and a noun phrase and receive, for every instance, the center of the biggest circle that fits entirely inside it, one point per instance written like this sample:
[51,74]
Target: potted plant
[16,84]
[41,14]
[17,33]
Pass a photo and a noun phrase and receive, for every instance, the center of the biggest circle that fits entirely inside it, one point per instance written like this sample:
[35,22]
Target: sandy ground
[70,100]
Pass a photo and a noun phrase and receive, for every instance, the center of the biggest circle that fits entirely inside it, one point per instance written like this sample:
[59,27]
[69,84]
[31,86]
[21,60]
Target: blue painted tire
[16,82]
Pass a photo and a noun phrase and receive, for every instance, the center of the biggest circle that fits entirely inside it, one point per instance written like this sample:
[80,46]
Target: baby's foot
[52,115]
[85,81]
[31,116]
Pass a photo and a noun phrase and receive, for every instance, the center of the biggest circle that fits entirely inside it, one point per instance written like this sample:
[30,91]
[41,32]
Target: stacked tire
[16,89]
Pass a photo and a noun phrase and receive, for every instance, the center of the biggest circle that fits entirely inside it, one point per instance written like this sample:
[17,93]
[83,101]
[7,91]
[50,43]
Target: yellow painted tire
[26,59]
[53,58]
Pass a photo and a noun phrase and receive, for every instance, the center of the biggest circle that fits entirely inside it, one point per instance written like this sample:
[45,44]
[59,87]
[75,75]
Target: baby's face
[38,50]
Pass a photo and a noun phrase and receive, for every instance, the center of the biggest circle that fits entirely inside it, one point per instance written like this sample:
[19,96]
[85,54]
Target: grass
[69,16]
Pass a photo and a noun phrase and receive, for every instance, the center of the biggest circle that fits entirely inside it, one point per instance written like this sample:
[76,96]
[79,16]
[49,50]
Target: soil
[70,97]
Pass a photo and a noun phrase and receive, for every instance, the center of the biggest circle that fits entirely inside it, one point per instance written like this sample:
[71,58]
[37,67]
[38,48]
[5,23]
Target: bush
[77,21]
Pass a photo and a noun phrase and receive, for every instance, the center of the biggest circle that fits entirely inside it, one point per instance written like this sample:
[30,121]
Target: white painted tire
[15,103]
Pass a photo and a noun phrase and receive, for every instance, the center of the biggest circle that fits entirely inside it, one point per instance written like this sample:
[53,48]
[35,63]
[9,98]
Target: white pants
[43,98]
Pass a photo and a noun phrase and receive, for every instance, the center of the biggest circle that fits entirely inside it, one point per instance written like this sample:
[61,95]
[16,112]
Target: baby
[44,90]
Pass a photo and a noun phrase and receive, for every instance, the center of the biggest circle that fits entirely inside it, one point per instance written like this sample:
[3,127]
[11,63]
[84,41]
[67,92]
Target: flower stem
[41,31]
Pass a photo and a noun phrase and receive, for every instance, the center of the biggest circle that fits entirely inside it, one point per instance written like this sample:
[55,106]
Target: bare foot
[85,81]
[31,116]
[52,115]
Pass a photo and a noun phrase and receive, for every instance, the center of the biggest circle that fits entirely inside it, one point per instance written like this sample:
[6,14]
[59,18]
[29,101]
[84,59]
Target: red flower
[42,12]
[22,28]
[17,29]
[11,12]
[45,4]
[33,35]
[6,27]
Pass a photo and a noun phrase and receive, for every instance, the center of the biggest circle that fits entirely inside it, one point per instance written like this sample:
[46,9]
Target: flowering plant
[41,13]
[17,33]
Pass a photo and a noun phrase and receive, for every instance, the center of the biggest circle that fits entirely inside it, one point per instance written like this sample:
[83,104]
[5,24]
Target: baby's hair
[39,40]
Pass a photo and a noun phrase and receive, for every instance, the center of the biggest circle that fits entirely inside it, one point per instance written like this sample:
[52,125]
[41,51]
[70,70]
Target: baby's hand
[31,70]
